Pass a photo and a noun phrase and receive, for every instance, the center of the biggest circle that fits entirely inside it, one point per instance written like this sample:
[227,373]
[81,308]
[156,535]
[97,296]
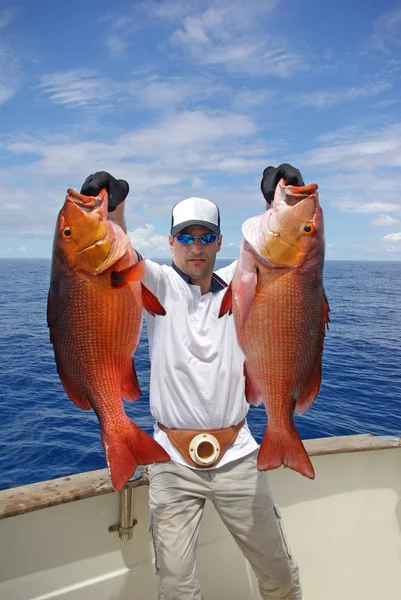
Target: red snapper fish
[281,313]
[95,315]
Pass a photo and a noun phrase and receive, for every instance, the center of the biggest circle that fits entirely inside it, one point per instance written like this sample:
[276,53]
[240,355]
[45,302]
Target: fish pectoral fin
[151,302]
[133,273]
[227,302]
[130,388]
[310,394]
[127,446]
[245,281]
[253,393]
[244,296]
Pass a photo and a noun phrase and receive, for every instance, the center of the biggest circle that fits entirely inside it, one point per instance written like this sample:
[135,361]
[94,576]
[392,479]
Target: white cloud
[84,88]
[364,152]
[148,243]
[392,242]
[384,221]
[7,16]
[387,30]
[228,35]
[358,172]
[10,66]
[164,93]
[393,237]
[191,132]
[164,162]
[78,87]
[329,98]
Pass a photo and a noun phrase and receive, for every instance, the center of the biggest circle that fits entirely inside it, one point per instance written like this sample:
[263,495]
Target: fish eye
[309,229]
[66,232]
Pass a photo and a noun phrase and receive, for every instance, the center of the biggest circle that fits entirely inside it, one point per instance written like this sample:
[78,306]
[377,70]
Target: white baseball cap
[195,211]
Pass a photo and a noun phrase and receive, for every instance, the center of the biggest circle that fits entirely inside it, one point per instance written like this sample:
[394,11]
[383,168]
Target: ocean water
[43,435]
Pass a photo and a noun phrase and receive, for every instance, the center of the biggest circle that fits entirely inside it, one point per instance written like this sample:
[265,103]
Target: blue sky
[189,98]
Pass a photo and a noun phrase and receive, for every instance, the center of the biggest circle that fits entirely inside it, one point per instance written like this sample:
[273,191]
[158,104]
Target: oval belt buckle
[204,449]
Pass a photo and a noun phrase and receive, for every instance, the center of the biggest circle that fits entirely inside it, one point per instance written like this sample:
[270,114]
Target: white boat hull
[344,529]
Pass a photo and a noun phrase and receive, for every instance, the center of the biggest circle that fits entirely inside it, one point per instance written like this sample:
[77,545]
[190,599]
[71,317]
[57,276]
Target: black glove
[272,175]
[117,188]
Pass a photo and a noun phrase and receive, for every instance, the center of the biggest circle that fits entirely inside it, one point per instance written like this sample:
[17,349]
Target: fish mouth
[89,203]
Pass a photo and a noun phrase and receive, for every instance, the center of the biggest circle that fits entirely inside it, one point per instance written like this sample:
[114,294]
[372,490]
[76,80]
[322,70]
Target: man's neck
[205,283]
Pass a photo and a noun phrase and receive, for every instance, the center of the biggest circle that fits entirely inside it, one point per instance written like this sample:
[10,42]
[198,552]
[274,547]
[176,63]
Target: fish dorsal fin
[326,319]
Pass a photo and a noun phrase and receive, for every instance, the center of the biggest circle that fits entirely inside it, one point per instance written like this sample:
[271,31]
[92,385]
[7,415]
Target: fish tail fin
[127,447]
[284,448]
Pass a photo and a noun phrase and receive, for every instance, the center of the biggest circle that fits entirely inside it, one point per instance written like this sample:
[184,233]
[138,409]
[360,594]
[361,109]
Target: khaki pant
[242,497]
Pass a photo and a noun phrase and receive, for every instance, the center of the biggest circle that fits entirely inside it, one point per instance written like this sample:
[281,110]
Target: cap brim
[212,226]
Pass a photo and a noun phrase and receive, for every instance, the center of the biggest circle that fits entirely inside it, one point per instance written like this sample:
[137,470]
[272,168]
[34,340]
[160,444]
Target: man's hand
[272,175]
[117,188]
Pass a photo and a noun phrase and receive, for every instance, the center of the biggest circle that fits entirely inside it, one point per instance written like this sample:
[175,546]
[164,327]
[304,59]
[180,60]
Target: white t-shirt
[196,379]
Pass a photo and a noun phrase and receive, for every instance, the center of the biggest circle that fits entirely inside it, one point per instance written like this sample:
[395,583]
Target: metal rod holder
[127,521]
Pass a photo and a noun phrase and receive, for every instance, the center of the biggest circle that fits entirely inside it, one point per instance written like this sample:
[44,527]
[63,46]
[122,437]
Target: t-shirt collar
[217,283]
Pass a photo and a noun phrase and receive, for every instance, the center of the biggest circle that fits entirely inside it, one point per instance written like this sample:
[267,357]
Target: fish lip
[88,205]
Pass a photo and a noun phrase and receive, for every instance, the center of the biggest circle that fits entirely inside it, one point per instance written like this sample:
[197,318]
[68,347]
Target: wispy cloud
[7,16]
[10,65]
[359,170]
[228,35]
[78,88]
[384,221]
[329,98]
[118,32]
[84,88]
[380,147]
[163,93]
[387,30]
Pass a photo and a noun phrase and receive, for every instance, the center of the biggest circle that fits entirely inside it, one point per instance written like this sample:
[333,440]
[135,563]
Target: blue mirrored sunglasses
[188,239]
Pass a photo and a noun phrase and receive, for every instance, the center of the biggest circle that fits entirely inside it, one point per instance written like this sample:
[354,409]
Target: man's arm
[118,215]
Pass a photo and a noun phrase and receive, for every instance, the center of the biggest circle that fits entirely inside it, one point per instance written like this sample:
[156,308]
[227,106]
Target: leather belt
[202,448]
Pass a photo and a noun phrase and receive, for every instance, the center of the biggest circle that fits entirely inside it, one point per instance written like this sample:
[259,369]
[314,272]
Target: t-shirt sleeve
[226,273]
[153,275]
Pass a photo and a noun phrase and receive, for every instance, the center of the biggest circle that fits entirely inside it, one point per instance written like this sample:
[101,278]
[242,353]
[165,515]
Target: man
[197,399]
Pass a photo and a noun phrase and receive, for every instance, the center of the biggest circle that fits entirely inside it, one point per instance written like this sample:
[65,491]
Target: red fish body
[281,311]
[95,314]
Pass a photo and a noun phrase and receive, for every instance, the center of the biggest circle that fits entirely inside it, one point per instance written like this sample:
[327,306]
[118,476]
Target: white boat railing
[36,496]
